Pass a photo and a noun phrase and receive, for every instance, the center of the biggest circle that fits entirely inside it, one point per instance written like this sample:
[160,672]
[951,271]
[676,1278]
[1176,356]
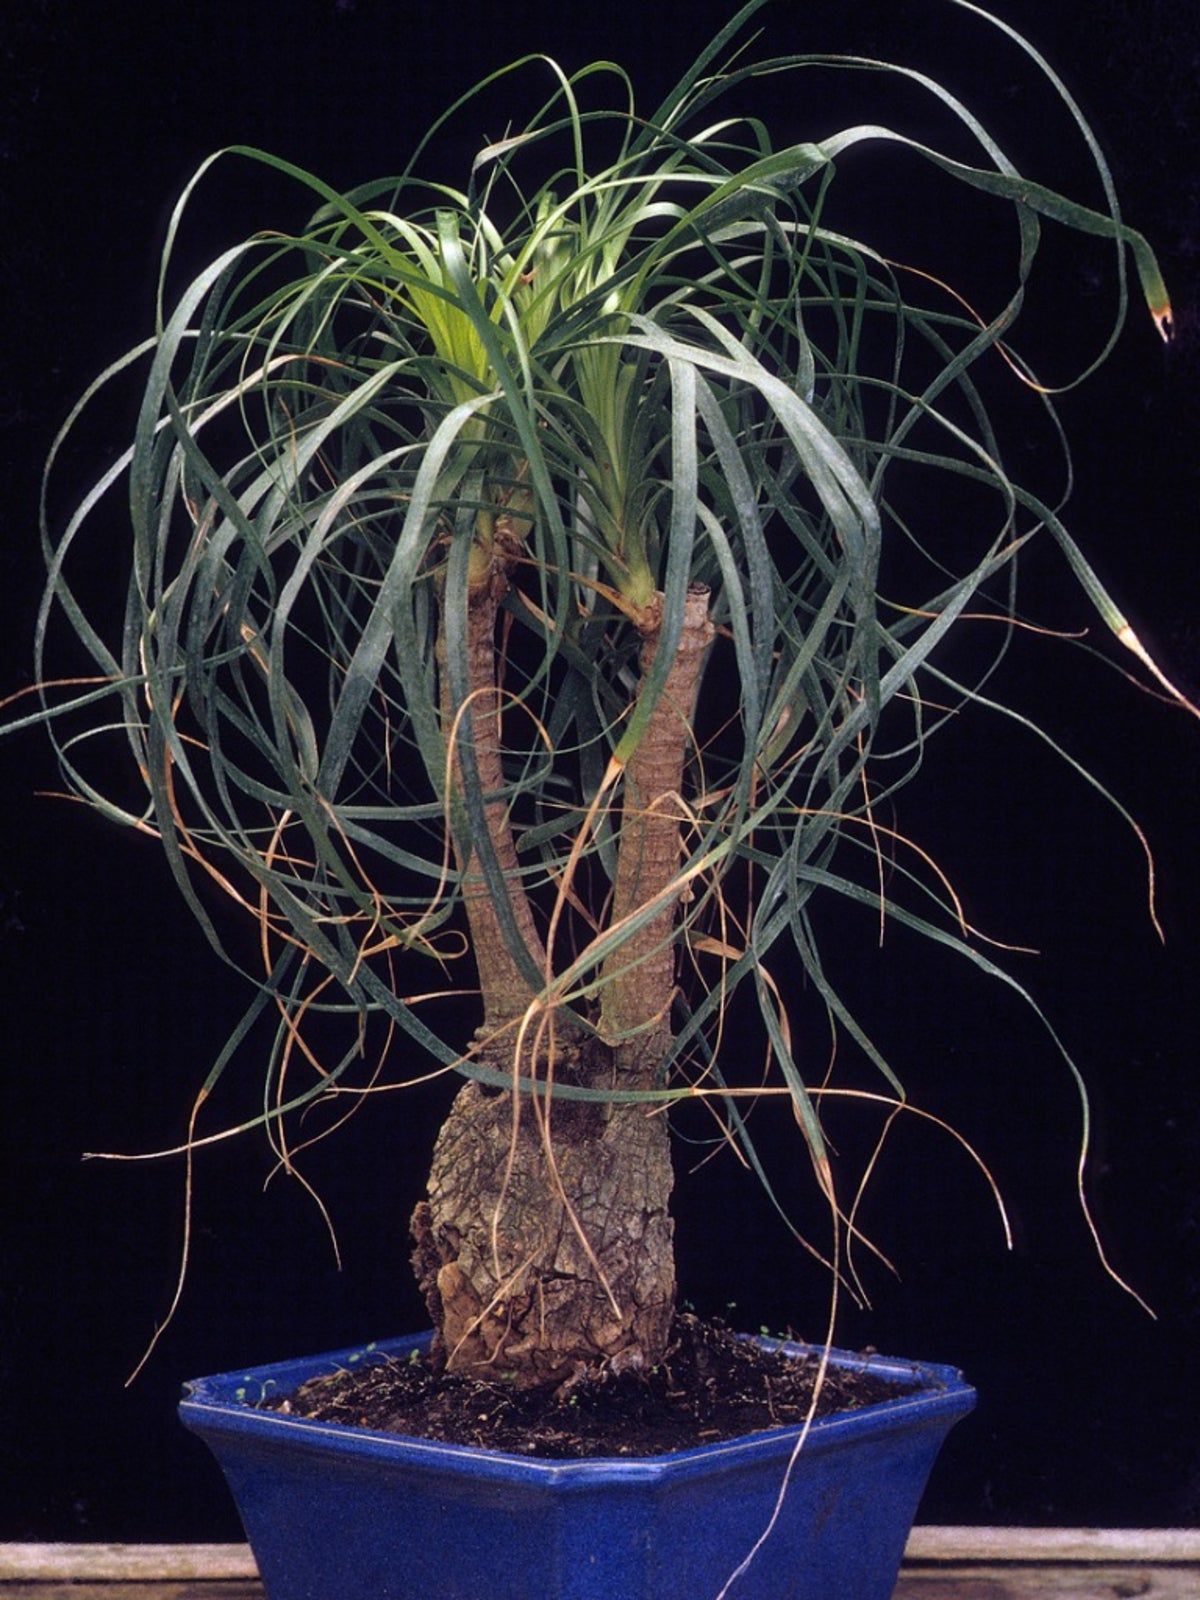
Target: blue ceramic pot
[339,1513]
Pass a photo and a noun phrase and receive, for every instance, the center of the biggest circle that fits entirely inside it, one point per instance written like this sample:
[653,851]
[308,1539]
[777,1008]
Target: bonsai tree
[537,586]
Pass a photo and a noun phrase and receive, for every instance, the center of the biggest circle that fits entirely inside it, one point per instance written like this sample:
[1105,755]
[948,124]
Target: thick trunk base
[525,1284]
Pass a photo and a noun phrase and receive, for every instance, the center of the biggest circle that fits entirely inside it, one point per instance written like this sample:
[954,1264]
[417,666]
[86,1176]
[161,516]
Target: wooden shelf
[1034,1582]
[940,1564]
[198,1589]
[950,1583]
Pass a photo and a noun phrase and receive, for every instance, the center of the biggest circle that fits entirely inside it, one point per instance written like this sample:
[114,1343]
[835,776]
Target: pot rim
[217,1405]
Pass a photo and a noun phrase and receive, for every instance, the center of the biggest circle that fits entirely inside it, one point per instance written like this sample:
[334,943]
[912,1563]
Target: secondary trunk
[545,1242]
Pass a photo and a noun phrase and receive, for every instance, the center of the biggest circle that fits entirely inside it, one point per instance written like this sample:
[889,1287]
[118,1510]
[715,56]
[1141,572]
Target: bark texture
[640,974]
[545,1243]
[506,993]
[519,1282]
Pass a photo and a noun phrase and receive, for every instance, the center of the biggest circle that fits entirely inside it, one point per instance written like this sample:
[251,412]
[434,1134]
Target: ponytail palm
[506,585]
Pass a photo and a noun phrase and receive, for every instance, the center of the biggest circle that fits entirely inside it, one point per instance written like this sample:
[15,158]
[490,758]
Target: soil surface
[712,1385]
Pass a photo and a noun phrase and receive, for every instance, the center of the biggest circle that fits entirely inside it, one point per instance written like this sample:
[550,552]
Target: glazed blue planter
[339,1513]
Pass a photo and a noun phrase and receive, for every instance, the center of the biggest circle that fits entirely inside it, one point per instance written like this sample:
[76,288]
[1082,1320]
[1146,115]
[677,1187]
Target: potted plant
[505,598]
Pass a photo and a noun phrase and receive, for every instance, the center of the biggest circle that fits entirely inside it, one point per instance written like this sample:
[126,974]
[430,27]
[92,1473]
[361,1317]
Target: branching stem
[640,973]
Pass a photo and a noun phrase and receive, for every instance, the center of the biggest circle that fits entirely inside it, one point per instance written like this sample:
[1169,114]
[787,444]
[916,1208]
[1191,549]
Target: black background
[114,1005]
